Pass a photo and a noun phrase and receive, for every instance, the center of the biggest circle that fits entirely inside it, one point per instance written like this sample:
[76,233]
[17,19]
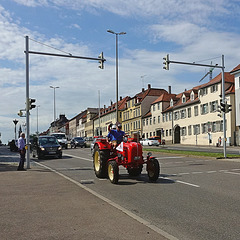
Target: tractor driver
[117,134]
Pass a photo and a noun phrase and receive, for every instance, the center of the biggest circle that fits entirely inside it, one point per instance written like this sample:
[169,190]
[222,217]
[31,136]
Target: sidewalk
[40,204]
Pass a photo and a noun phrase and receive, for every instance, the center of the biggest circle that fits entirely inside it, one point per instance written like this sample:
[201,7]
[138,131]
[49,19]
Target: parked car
[13,145]
[62,139]
[44,146]
[149,142]
[78,142]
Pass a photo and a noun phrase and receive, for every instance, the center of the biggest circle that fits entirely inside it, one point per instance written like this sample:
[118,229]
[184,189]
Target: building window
[196,129]
[170,132]
[147,121]
[158,106]
[163,117]
[159,119]
[183,99]
[213,106]
[190,130]
[150,121]
[189,112]
[196,111]
[166,117]
[154,120]
[214,127]
[204,128]
[183,113]
[192,96]
[176,115]
[204,108]
[143,122]
[214,88]
[171,102]
[166,133]
[170,116]
[184,131]
[153,107]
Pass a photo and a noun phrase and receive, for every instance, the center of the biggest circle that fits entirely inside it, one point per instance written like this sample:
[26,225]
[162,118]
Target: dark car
[78,142]
[46,146]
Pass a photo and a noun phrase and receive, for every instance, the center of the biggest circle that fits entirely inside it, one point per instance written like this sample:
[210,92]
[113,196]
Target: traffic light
[166,62]
[20,113]
[228,108]
[223,106]
[31,105]
[101,61]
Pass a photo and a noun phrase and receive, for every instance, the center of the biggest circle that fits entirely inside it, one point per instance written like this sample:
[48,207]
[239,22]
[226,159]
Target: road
[194,198]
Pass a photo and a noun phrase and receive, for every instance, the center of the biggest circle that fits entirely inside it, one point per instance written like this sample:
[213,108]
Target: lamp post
[120,33]
[15,121]
[54,104]
[37,118]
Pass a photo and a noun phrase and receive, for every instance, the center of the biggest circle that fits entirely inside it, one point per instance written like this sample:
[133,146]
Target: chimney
[149,86]
[104,106]
[169,89]
[142,89]
[120,98]
[111,102]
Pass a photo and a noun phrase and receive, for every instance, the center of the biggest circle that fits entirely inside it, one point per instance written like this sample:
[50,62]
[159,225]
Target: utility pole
[100,59]
[166,66]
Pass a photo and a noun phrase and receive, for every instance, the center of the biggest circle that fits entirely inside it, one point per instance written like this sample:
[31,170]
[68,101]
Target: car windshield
[59,136]
[48,140]
[78,138]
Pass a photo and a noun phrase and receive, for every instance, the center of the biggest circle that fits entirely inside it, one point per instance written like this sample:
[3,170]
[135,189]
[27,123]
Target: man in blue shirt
[22,151]
[117,134]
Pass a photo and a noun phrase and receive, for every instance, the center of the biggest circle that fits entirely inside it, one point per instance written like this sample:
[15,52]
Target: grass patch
[191,153]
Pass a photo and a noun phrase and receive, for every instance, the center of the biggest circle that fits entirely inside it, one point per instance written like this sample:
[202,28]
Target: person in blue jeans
[22,152]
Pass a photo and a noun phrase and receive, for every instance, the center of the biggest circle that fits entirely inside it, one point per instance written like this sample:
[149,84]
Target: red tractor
[106,160]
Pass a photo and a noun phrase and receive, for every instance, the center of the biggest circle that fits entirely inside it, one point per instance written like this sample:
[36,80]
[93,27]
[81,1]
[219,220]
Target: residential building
[191,117]
[107,116]
[138,106]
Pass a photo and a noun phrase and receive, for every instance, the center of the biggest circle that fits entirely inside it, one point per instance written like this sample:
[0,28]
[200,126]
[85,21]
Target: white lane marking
[190,184]
[177,181]
[237,169]
[211,171]
[129,213]
[233,173]
[196,172]
[183,173]
[86,159]
[167,157]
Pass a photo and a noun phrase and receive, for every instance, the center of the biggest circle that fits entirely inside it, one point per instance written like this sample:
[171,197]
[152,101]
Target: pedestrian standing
[22,152]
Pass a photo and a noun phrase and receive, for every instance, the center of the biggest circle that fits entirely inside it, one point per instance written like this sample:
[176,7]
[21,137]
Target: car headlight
[42,148]
[60,148]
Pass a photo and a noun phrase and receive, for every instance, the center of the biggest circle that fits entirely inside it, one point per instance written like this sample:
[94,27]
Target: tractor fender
[102,145]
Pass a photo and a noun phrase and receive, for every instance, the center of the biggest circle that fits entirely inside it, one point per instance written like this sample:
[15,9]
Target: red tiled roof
[165,97]
[235,69]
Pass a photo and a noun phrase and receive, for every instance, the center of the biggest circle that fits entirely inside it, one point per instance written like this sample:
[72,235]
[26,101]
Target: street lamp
[37,118]
[15,121]
[120,33]
[54,104]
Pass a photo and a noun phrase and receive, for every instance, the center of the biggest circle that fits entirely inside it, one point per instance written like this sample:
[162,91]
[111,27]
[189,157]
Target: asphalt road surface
[194,198]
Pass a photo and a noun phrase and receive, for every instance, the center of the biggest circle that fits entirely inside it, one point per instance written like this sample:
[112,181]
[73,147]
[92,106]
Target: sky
[198,31]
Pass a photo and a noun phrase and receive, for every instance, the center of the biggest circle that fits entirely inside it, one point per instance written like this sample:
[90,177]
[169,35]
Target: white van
[62,139]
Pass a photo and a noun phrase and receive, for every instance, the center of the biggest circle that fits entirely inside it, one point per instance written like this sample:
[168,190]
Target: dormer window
[171,102]
[183,99]
[192,96]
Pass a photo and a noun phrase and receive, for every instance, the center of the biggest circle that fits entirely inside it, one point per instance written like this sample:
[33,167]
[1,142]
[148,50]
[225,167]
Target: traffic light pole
[166,66]
[27,52]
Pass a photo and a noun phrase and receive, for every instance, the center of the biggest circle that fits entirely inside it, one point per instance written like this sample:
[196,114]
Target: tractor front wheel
[100,162]
[153,169]
[113,172]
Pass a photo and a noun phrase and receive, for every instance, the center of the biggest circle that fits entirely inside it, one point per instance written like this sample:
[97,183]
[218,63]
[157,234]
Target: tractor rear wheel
[135,171]
[113,172]
[100,159]
[153,169]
